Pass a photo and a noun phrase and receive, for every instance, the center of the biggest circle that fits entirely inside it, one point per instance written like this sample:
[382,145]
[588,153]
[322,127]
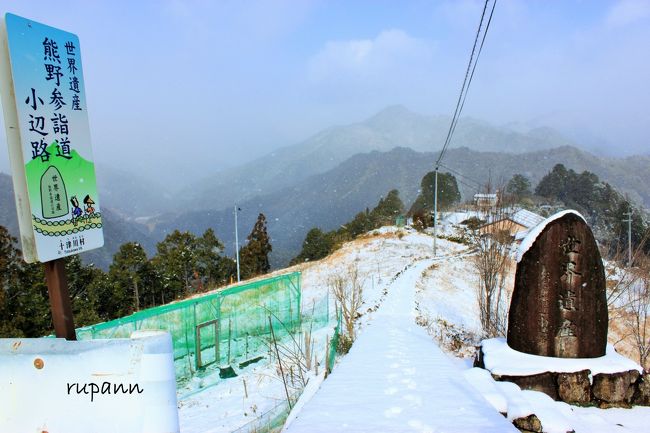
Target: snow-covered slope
[396,379]
[437,305]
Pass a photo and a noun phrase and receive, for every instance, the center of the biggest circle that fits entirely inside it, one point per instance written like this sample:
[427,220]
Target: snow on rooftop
[458,217]
[526,218]
[530,239]
[501,360]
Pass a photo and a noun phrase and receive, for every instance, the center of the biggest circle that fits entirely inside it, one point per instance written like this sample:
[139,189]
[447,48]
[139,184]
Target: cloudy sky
[195,86]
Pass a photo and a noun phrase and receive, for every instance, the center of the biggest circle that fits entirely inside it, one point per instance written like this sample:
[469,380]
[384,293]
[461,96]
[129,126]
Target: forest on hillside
[185,263]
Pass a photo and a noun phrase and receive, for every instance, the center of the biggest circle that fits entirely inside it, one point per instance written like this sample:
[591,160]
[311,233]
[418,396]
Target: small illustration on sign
[54,197]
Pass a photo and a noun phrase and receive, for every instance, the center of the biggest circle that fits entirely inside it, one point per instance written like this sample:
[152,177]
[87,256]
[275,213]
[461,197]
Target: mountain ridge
[395,126]
[329,199]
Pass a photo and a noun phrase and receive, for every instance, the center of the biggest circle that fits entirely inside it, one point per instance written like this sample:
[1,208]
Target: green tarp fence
[221,327]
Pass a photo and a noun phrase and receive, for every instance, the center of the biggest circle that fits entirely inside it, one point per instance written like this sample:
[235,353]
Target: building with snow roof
[485,200]
[517,223]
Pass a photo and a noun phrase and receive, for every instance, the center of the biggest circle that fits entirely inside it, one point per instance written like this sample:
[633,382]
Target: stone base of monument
[608,381]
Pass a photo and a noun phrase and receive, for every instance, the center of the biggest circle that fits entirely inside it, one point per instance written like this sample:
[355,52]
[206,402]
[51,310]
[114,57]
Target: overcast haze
[173,86]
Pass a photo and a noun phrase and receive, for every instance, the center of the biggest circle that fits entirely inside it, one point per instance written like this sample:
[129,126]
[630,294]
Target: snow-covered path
[396,379]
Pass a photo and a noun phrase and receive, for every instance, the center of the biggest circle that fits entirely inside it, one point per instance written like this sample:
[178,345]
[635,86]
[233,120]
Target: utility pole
[237,244]
[435,211]
[629,235]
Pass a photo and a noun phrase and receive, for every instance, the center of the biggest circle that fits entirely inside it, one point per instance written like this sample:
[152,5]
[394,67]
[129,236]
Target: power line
[487,27]
[457,173]
[467,81]
[471,65]
[462,89]
[472,187]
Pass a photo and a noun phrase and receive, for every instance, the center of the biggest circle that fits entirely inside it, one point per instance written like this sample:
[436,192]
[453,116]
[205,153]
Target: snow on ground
[455,218]
[501,360]
[395,379]
[215,405]
[447,301]
[556,416]
[225,407]
[446,292]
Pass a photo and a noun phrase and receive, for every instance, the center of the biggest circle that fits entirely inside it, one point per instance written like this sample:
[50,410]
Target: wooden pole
[57,288]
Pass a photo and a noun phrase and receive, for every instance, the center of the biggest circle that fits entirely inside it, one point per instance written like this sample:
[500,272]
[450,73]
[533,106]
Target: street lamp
[237,243]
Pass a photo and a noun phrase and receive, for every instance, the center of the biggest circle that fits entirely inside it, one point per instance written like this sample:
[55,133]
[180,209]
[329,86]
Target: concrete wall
[119,385]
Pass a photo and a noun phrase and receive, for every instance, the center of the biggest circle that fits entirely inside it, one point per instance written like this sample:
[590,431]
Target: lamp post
[237,244]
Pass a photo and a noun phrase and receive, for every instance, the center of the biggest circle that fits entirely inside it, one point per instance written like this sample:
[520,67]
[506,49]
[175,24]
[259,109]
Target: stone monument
[559,304]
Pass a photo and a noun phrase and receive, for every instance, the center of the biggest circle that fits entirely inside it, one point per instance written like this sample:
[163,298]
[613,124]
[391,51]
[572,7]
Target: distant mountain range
[131,195]
[325,180]
[393,127]
[332,198]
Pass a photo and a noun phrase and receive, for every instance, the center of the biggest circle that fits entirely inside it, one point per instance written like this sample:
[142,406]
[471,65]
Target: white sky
[187,88]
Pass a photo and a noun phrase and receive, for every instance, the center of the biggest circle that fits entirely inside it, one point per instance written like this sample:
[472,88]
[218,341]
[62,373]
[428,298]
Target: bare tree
[347,288]
[294,356]
[492,243]
[634,313]
[623,277]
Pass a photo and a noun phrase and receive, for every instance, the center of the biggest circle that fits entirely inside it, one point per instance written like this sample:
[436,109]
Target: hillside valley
[330,199]
[395,126]
[328,178]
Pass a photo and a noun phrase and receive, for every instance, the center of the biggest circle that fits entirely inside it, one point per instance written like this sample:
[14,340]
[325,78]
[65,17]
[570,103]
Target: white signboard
[44,103]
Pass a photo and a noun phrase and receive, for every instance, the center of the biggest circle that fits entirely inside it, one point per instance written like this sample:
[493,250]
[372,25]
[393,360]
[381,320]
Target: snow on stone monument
[559,304]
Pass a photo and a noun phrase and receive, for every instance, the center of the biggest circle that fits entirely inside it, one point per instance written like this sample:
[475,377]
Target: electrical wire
[471,66]
[487,27]
[456,172]
[462,89]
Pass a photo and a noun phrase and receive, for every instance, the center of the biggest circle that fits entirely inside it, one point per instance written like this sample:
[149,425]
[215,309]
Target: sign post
[44,102]
[57,287]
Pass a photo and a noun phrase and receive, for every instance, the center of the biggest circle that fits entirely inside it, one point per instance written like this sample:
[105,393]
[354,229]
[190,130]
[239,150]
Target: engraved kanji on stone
[559,304]
[567,301]
[568,329]
[543,324]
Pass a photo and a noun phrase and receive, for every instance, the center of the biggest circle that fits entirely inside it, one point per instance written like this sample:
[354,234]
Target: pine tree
[254,256]
[448,195]
[519,186]
[9,263]
[315,246]
[86,286]
[598,201]
[387,210]
[127,273]
[360,224]
[209,264]
[24,302]
[9,281]
[175,262]
[554,184]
